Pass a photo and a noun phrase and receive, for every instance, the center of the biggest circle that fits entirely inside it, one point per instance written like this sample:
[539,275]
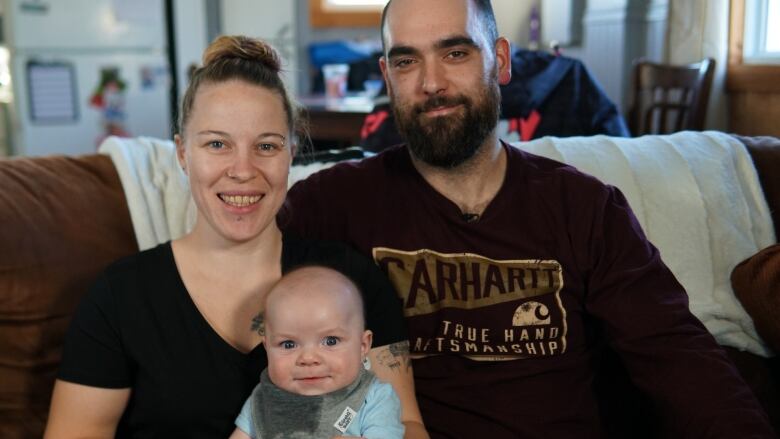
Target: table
[336,123]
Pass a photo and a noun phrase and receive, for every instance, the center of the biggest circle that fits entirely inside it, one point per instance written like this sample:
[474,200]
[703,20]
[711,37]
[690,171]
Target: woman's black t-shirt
[139,328]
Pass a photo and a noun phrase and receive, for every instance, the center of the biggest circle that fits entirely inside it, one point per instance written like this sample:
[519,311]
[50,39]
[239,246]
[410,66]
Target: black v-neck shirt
[139,328]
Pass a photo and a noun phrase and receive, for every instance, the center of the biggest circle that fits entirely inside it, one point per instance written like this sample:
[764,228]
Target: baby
[315,385]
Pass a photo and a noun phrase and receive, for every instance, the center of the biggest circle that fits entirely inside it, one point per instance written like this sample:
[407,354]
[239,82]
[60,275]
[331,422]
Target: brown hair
[241,58]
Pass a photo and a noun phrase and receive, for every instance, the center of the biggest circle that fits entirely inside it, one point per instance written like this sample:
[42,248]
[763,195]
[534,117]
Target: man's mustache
[441,101]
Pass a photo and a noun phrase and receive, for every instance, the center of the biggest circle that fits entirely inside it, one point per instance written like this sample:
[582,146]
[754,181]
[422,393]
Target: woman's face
[236,151]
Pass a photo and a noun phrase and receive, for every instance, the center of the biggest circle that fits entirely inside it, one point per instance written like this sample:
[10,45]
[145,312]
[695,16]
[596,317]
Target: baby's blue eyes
[216,144]
[330,341]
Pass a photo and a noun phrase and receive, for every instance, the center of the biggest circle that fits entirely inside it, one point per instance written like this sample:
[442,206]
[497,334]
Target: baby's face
[314,333]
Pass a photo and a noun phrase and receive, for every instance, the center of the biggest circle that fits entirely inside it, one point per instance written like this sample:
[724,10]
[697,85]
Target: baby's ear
[365,342]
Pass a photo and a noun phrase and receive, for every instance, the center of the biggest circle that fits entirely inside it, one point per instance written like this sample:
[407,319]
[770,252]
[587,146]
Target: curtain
[699,29]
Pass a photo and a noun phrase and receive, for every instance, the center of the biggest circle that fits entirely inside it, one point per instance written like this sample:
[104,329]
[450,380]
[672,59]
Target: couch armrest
[62,220]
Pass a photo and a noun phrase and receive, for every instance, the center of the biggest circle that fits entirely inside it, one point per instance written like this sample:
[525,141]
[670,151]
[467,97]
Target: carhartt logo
[531,314]
[428,281]
[346,418]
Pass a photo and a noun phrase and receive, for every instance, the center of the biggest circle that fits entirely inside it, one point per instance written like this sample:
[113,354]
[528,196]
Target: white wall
[616,32]
[699,29]
[271,20]
[73,24]
[191,39]
[512,19]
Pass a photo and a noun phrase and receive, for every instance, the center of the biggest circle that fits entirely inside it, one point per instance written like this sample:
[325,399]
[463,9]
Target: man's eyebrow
[456,41]
[445,43]
[401,50]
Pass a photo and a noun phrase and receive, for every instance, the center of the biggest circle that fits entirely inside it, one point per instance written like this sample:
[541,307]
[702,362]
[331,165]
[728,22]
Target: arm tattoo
[395,356]
[258,324]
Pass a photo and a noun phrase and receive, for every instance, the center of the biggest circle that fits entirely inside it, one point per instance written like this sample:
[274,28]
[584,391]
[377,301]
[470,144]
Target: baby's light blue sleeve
[244,419]
[380,416]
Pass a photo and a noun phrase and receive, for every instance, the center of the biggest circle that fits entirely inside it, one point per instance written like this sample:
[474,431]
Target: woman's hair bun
[237,47]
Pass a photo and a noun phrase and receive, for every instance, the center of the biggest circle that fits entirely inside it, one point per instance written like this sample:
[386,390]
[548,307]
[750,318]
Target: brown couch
[62,220]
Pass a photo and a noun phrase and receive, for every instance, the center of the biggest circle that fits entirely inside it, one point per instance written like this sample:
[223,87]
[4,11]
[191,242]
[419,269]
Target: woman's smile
[240,200]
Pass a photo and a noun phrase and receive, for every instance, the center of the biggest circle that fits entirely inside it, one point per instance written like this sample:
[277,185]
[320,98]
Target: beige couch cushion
[62,220]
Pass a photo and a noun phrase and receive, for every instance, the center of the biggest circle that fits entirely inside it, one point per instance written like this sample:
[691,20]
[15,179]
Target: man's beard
[451,140]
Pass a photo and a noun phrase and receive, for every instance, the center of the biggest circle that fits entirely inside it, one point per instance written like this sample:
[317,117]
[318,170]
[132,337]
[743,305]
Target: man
[512,268]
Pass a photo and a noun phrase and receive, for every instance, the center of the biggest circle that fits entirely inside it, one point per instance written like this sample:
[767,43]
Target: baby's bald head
[317,285]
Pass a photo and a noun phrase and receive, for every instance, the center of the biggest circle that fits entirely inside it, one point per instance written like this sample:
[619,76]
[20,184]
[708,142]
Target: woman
[163,344]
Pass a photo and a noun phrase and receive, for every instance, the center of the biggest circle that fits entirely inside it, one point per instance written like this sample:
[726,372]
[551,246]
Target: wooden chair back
[669,98]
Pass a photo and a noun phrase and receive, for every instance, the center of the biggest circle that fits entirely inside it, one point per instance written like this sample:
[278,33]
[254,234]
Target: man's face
[442,74]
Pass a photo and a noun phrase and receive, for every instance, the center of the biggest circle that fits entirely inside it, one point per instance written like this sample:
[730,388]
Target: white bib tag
[346,418]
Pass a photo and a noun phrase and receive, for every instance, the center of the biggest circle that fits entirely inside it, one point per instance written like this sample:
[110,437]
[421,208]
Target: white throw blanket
[696,195]
[698,199]
[157,191]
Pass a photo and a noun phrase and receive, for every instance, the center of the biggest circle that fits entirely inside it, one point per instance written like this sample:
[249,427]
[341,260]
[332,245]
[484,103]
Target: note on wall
[52,92]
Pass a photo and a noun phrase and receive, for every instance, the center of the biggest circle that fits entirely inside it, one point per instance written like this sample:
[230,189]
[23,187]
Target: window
[762,32]
[754,55]
[345,13]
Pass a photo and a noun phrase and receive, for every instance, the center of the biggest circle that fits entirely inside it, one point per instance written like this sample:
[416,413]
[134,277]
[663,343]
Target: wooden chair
[669,98]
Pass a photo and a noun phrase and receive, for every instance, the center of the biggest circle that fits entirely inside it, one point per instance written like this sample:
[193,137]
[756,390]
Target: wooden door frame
[321,17]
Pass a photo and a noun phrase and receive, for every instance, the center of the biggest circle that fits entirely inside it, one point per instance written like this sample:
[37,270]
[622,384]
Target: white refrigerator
[81,70]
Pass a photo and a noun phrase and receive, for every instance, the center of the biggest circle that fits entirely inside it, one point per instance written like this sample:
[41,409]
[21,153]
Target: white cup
[335,80]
